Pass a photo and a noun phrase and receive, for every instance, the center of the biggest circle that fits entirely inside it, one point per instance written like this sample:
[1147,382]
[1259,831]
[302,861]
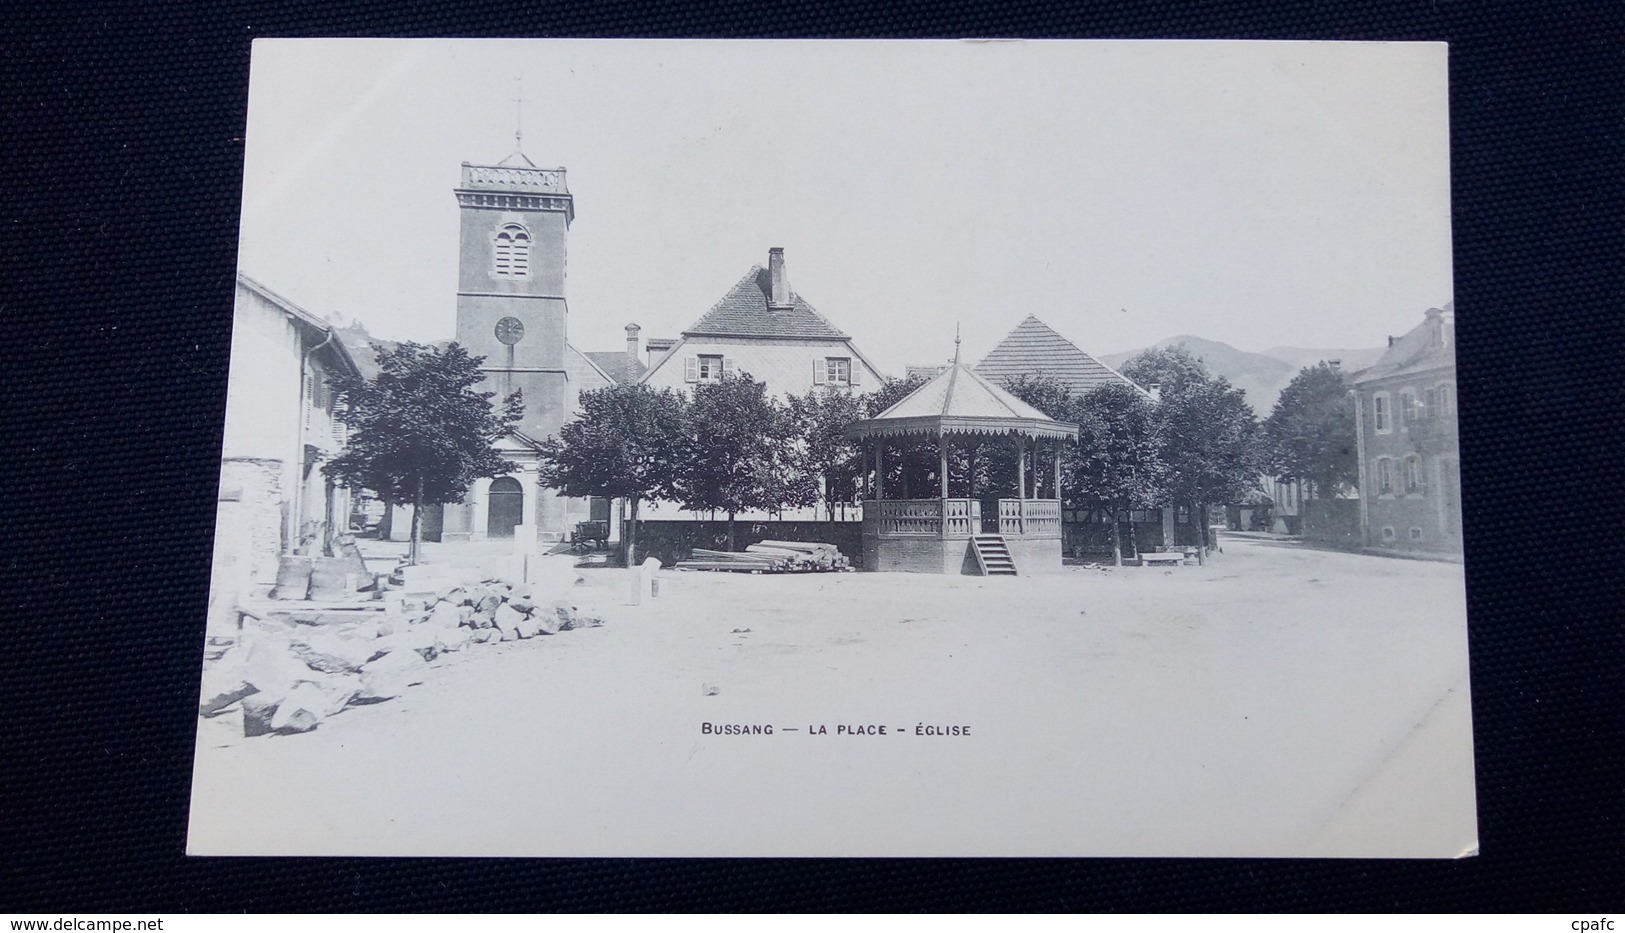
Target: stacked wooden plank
[770,557]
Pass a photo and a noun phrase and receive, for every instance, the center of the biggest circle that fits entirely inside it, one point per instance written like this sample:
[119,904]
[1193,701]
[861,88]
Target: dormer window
[511,252]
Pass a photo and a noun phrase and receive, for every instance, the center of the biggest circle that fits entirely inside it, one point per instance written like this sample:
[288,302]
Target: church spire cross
[519,115]
[518,156]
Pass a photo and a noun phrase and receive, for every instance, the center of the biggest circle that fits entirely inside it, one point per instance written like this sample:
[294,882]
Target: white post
[643,580]
[480,509]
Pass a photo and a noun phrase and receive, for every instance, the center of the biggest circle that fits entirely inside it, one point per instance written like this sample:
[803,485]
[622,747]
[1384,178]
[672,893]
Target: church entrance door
[506,507]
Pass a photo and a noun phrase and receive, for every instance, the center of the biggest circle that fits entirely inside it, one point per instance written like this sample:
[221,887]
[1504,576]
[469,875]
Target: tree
[1117,463]
[1050,396]
[826,452]
[627,443]
[908,467]
[1310,433]
[419,432]
[1208,436]
[739,452]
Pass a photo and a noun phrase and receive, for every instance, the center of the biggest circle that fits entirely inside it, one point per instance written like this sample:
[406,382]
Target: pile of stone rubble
[288,671]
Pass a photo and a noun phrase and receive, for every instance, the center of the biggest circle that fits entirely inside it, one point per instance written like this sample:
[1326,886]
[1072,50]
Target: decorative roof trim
[940,425]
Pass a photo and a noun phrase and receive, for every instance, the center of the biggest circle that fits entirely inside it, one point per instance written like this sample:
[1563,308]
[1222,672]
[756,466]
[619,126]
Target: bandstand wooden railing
[927,518]
[1030,517]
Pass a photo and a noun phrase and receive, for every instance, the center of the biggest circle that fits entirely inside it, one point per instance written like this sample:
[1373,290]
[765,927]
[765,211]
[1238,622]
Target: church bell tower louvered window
[511,253]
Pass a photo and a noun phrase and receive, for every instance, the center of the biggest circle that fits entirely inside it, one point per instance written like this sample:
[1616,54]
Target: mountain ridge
[1260,374]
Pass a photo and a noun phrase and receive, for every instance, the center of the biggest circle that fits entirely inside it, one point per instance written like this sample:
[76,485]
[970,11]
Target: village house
[763,329]
[1410,465]
[282,423]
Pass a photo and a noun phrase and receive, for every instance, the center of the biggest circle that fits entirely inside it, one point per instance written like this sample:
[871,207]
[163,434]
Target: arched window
[1385,476]
[511,253]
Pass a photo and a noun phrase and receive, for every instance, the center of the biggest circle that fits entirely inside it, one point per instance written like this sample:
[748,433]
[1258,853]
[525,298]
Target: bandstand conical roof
[958,401]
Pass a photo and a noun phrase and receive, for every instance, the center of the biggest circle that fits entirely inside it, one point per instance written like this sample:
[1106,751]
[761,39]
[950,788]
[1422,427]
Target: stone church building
[512,310]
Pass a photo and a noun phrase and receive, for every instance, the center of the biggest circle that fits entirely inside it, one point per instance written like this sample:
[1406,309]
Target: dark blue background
[122,150]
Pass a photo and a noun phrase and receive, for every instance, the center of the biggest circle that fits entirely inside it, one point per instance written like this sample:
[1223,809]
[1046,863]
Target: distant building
[1410,465]
[282,423]
[765,330]
[1033,349]
[924,372]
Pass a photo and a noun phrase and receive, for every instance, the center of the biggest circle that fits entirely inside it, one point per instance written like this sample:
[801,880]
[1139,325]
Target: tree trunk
[414,550]
[1133,535]
[632,535]
[730,531]
[1200,522]
[1117,541]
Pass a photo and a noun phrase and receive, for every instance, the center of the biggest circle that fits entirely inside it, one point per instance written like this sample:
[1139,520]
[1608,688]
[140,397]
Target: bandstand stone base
[934,535]
[1034,555]
[919,555]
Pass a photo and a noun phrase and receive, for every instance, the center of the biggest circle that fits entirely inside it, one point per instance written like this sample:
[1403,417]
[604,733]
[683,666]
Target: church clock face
[510,330]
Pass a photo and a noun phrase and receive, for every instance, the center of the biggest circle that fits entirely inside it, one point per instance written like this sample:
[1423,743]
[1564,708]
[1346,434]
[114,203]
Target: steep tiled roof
[1033,349]
[617,365]
[743,312]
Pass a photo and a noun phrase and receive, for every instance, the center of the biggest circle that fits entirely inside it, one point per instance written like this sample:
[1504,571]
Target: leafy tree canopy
[419,431]
[1310,433]
[822,416]
[626,443]
[1117,463]
[1208,436]
[739,451]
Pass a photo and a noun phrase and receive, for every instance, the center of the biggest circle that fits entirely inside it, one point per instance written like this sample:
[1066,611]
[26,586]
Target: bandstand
[966,534]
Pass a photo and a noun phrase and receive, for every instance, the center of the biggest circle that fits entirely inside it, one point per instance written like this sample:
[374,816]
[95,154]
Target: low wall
[1332,521]
[672,541]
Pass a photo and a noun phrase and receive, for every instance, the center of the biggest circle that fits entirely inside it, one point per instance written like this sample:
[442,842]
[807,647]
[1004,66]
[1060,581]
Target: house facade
[763,329]
[1410,463]
[282,423]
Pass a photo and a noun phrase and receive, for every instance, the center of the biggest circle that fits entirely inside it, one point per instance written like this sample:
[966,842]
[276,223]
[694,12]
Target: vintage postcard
[816,448]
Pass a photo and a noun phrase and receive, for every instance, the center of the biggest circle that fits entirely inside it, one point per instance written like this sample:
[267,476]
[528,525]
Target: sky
[1255,193]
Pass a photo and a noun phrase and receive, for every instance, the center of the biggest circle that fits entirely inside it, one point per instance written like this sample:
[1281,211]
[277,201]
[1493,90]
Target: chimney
[778,297]
[632,331]
[1435,322]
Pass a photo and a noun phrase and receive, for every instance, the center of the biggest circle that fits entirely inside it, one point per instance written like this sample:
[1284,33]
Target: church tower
[511,311]
[510,286]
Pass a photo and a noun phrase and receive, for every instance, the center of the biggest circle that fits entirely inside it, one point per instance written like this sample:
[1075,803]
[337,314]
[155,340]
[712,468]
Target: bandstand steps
[993,556]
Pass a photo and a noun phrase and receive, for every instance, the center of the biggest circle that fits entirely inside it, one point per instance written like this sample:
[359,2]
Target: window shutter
[855,370]
[820,371]
[691,369]
[727,366]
